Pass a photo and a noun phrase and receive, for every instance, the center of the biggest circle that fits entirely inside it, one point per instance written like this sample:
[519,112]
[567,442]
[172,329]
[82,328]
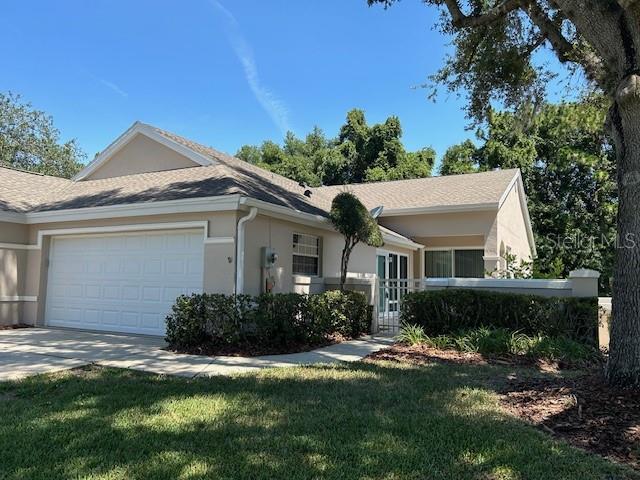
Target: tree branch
[460,20]
[565,50]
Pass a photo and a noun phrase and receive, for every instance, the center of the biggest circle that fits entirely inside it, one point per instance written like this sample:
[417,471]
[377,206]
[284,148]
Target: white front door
[121,282]
[392,270]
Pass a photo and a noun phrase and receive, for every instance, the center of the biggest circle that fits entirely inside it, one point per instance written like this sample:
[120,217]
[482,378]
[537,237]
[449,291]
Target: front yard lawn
[365,420]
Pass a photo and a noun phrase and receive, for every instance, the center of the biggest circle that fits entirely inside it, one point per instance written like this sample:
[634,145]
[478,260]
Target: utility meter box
[269,257]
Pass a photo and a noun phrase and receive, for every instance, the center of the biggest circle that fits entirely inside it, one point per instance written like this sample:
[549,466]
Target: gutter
[240,236]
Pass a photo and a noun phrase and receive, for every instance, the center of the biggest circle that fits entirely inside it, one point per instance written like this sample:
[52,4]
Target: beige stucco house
[156,215]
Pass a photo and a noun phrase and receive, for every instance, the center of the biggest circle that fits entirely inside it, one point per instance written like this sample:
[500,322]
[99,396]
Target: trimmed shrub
[446,311]
[266,322]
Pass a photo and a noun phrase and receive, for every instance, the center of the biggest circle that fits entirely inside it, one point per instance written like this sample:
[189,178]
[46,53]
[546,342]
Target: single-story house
[156,215]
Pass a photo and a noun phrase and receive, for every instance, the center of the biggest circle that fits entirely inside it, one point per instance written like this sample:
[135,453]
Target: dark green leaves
[29,141]
[350,218]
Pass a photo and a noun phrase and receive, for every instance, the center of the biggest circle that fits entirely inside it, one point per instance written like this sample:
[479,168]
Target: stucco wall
[450,230]
[512,229]
[141,155]
[12,271]
[266,231]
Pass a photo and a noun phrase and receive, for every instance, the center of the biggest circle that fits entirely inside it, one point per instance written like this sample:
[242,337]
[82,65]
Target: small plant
[412,335]
[502,341]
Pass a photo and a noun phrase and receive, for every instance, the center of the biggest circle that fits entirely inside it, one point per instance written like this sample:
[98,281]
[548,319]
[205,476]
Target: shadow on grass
[373,420]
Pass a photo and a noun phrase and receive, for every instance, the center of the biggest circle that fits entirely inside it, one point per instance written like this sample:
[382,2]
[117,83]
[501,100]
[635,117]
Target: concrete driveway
[31,351]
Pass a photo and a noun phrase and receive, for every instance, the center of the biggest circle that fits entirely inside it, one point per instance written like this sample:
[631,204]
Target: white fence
[388,292]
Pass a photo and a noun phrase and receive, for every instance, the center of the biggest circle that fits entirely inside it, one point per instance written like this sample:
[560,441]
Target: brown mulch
[250,350]
[422,355]
[579,408]
[582,410]
[13,327]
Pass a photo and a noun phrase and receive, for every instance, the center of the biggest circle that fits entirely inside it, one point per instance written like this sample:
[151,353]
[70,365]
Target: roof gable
[141,149]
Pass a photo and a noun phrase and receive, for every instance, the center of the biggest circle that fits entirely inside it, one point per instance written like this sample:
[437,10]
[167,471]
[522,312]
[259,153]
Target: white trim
[526,284]
[186,205]
[219,240]
[138,227]
[519,185]
[148,131]
[19,298]
[17,246]
[400,242]
[13,217]
[432,249]
[288,213]
[505,194]
[470,207]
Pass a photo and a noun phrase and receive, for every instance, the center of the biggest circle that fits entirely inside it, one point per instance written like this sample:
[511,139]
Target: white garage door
[121,283]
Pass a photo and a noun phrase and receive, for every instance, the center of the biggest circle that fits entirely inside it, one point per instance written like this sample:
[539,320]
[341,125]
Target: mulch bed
[251,350]
[422,355]
[580,408]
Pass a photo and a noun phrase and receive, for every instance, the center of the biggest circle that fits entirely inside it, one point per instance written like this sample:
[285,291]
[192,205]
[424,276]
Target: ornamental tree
[351,218]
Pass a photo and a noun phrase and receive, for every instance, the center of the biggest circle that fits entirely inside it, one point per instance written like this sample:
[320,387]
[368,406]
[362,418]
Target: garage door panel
[122,283]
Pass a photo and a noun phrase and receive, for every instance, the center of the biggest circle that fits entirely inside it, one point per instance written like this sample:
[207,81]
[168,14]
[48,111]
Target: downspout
[240,247]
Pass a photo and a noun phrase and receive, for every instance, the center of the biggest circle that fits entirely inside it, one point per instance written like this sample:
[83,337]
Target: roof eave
[469,207]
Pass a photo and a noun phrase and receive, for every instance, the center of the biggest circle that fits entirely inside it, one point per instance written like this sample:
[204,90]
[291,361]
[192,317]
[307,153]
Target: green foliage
[268,321]
[446,311]
[568,169]
[411,334]
[459,158]
[29,141]
[351,218]
[359,153]
[502,341]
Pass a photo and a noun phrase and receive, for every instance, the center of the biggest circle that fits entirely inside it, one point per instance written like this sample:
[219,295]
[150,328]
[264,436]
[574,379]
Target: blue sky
[226,73]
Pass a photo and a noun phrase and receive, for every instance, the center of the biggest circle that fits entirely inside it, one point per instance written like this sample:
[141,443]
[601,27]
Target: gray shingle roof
[447,191]
[24,192]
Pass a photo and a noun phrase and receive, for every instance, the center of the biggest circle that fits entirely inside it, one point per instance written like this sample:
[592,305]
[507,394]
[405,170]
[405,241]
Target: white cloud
[113,87]
[276,109]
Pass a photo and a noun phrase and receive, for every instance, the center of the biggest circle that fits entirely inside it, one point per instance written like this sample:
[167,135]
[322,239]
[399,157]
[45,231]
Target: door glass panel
[404,273]
[382,273]
[393,284]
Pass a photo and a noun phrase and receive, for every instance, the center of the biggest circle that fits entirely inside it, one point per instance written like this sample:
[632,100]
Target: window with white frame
[459,263]
[306,254]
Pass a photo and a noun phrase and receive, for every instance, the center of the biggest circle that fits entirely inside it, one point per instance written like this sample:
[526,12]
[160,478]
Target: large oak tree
[494,60]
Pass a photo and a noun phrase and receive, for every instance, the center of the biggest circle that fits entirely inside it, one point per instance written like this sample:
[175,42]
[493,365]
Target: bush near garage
[268,323]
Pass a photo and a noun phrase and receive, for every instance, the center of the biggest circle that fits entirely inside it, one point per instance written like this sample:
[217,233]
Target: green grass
[363,420]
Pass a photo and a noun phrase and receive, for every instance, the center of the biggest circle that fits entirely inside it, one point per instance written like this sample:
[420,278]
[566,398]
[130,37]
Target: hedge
[268,321]
[451,310]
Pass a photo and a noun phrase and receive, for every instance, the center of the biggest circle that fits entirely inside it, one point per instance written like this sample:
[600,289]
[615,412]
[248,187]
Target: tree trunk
[624,118]
[344,263]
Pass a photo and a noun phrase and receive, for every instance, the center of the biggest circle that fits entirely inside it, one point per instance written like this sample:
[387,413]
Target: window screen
[438,264]
[469,263]
[306,254]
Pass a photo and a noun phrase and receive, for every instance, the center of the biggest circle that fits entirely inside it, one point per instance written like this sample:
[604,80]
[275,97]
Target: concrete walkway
[31,351]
